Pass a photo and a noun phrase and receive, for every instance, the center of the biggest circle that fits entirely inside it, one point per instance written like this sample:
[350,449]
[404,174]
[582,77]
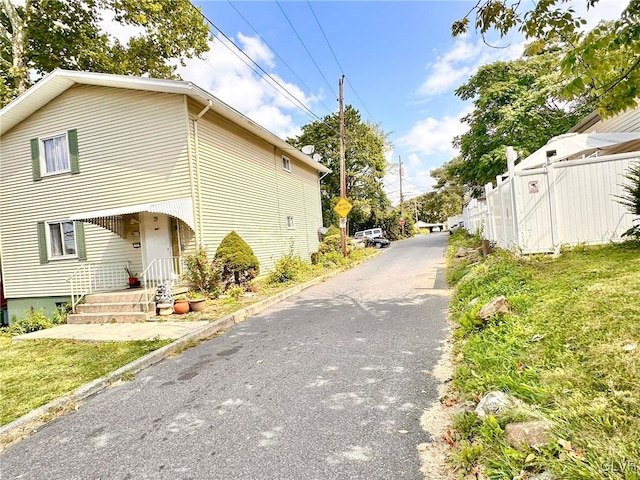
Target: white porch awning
[181,208]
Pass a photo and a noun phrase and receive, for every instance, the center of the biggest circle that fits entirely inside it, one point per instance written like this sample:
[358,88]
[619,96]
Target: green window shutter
[42,243]
[35,159]
[78,228]
[72,138]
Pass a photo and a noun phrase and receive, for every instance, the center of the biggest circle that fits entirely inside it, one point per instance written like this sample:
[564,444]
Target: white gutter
[60,80]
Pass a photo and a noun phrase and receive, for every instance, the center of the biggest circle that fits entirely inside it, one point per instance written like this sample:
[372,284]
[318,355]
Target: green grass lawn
[34,372]
[569,350]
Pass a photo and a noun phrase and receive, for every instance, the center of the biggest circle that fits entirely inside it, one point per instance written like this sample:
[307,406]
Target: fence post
[551,194]
[511,165]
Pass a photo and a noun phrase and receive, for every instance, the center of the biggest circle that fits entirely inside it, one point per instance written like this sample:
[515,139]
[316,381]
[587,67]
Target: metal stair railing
[96,277]
[161,270]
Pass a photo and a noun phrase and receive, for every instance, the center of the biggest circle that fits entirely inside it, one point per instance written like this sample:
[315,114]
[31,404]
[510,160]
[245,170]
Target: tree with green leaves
[37,36]
[519,103]
[366,144]
[603,63]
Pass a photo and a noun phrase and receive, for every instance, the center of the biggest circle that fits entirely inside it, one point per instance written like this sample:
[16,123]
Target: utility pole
[401,198]
[343,173]
[415,206]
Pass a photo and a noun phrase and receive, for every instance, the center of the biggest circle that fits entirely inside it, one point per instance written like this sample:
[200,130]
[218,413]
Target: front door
[156,241]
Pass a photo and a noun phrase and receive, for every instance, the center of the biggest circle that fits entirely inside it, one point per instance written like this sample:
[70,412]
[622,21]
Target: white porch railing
[94,277]
[161,271]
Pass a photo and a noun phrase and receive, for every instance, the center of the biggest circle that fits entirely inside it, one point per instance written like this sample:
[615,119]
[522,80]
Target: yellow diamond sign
[343,207]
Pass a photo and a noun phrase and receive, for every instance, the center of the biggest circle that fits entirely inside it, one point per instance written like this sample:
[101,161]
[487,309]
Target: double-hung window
[55,154]
[61,240]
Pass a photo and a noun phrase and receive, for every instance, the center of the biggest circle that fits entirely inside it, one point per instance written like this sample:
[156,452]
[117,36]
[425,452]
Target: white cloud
[455,66]
[434,136]
[234,82]
[429,145]
[229,77]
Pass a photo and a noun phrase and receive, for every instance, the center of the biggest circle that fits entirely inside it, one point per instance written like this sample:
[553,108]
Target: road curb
[29,423]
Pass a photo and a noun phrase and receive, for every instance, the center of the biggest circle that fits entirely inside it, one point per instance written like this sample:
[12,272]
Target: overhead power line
[361,102]
[335,57]
[282,89]
[309,89]
[306,49]
[325,38]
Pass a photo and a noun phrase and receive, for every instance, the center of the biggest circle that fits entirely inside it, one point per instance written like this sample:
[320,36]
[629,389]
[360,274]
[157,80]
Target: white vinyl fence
[562,203]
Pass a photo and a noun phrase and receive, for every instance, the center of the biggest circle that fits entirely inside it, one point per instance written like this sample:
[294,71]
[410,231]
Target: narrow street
[329,384]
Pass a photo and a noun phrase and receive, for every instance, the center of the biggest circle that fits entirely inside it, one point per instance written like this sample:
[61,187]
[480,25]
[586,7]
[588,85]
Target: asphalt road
[329,384]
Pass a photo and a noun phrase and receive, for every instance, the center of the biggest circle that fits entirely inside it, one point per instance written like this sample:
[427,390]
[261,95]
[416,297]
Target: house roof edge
[59,80]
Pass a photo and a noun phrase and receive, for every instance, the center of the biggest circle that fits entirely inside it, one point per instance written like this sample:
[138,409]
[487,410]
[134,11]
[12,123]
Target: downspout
[197,179]
[191,158]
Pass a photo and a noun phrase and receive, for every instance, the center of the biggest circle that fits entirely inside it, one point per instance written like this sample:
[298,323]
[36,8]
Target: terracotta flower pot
[181,306]
[197,305]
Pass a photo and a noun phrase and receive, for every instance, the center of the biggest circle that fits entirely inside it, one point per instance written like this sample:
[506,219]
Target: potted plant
[133,278]
[180,304]
[197,302]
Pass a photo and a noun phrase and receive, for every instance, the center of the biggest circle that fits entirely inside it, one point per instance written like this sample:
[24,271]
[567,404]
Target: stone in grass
[533,434]
[543,476]
[497,305]
[493,403]
[470,253]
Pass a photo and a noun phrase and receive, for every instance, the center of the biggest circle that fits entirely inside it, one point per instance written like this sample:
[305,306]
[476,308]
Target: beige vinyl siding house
[627,121]
[235,166]
[161,167]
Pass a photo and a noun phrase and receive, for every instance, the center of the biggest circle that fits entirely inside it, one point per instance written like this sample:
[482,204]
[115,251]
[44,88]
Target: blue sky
[400,61]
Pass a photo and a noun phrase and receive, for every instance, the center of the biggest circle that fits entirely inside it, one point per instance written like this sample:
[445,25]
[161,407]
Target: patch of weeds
[33,321]
[128,376]
[185,346]
[569,349]
[466,423]
[288,269]
[233,294]
[466,456]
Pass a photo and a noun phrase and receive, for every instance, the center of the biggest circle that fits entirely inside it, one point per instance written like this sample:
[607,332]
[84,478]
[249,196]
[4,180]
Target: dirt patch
[436,421]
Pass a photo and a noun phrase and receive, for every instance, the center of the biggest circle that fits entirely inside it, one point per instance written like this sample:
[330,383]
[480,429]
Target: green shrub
[36,320]
[202,273]
[332,230]
[331,259]
[233,294]
[61,313]
[236,260]
[289,268]
[331,243]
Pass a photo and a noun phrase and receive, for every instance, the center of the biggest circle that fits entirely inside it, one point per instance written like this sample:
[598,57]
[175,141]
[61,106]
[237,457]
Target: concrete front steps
[127,306]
